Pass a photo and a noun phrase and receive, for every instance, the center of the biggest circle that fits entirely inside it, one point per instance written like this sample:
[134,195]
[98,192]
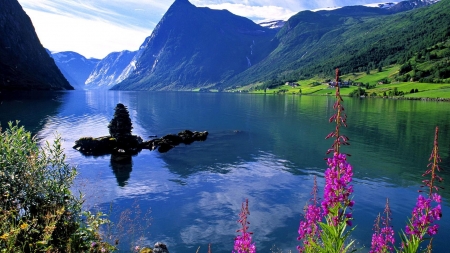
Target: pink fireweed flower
[423,217]
[309,228]
[383,239]
[424,214]
[243,243]
[337,190]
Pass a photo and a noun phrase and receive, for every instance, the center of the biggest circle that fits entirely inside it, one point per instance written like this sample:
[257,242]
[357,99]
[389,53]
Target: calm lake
[266,148]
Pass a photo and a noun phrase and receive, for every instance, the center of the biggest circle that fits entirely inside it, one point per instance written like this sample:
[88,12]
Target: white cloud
[256,13]
[89,37]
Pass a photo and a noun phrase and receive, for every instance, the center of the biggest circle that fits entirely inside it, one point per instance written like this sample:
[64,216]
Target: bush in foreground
[38,212]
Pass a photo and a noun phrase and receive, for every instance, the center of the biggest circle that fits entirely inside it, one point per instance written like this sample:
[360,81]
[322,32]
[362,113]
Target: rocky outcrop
[24,63]
[104,145]
[169,141]
[122,142]
[160,248]
[132,145]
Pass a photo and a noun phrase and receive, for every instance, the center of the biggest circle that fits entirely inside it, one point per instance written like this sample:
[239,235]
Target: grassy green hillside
[373,80]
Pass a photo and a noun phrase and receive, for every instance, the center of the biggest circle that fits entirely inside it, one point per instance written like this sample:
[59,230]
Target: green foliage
[357,93]
[429,65]
[38,212]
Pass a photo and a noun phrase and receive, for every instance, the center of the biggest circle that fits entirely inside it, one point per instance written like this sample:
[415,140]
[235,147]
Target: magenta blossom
[383,239]
[424,215]
[309,228]
[243,243]
[337,190]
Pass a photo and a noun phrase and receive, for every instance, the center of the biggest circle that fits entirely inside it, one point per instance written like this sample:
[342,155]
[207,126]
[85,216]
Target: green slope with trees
[313,44]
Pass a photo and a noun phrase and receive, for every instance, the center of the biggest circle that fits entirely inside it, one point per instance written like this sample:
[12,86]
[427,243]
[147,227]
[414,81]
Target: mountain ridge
[111,70]
[75,67]
[196,46]
[200,48]
[349,45]
[181,50]
[24,63]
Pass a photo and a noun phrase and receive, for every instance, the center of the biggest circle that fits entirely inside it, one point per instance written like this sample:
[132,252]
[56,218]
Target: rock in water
[121,142]
[160,248]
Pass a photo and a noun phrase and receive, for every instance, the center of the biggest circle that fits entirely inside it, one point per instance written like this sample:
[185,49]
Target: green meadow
[381,83]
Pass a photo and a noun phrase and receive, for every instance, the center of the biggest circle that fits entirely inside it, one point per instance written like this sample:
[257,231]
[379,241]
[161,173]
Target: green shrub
[38,212]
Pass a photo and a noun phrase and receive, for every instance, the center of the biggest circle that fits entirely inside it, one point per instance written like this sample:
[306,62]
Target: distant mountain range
[24,63]
[75,67]
[114,68]
[200,48]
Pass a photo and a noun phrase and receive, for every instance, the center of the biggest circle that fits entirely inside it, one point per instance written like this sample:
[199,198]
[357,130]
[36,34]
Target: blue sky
[95,28]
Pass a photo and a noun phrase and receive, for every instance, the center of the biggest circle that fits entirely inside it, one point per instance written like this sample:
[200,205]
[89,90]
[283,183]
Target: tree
[120,126]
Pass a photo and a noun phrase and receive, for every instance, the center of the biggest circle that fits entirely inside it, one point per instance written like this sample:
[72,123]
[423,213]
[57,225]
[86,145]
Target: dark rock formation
[169,141]
[160,248]
[130,145]
[122,143]
[24,63]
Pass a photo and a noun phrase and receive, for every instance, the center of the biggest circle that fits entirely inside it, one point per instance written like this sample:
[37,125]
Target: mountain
[75,67]
[352,38]
[111,70]
[24,63]
[411,4]
[194,47]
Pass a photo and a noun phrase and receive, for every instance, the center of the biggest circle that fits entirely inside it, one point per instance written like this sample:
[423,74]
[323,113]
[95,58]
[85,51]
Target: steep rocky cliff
[24,63]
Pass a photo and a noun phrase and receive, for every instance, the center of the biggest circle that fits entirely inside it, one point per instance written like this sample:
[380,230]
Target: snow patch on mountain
[382,5]
[276,24]
[114,68]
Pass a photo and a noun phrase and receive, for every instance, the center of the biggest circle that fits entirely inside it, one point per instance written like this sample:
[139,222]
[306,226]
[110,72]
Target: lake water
[266,148]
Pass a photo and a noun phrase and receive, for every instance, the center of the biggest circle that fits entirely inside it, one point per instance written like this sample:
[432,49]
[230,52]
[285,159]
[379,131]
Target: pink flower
[337,190]
[243,243]
[423,216]
[383,239]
